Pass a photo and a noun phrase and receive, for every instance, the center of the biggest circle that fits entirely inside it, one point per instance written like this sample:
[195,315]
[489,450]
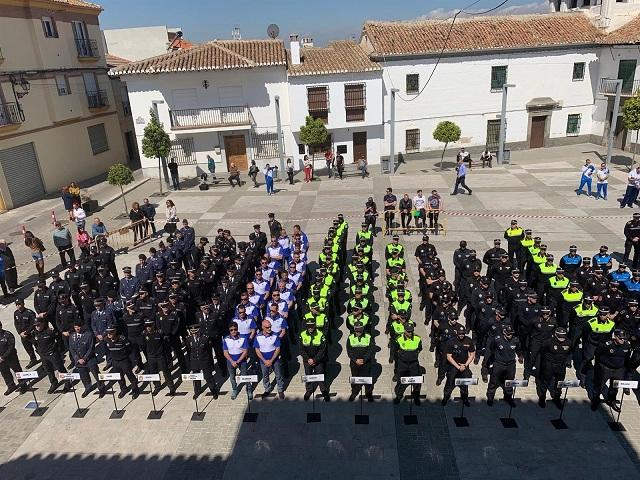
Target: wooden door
[538,125]
[359,146]
[236,151]
[627,73]
[620,134]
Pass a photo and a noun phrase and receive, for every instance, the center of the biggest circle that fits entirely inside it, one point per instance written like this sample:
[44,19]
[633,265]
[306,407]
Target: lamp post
[392,132]
[503,122]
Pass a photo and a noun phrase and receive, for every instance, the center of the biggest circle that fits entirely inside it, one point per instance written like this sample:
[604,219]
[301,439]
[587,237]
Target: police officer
[361,352]
[571,262]
[66,316]
[611,357]
[44,302]
[603,260]
[513,235]
[409,347]
[502,352]
[168,323]
[9,362]
[313,349]
[120,351]
[129,285]
[539,332]
[493,255]
[134,328]
[83,356]
[49,345]
[632,240]
[554,354]
[459,257]
[201,360]
[460,352]
[24,320]
[158,353]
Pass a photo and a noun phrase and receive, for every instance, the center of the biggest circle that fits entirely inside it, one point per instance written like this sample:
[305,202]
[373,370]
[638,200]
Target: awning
[542,103]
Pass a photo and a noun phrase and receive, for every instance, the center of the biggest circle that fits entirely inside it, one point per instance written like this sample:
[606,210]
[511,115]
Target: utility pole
[503,123]
[279,133]
[614,119]
[392,132]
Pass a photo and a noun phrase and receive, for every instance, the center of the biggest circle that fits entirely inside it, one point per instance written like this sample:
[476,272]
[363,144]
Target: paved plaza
[537,188]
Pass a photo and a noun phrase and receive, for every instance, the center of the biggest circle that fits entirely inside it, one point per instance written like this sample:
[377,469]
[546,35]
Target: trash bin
[384,164]
[507,157]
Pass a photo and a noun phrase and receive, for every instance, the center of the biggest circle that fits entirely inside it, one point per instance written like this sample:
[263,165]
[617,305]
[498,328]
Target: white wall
[137,43]
[460,91]
[259,88]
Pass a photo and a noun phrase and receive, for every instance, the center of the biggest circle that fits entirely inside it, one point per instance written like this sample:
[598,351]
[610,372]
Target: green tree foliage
[156,143]
[631,118]
[120,175]
[313,133]
[446,132]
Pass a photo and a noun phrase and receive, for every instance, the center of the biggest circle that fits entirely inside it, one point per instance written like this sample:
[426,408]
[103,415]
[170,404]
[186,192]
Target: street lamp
[503,122]
[392,132]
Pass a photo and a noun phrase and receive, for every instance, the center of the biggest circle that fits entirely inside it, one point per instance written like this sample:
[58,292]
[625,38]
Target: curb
[116,197]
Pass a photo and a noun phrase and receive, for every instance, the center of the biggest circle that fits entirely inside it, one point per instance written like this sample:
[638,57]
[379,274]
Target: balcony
[10,114]
[97,99]
[211,117]
[608,87]
[87,49]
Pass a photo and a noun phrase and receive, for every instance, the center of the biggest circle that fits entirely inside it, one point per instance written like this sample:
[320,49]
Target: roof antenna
[235,33]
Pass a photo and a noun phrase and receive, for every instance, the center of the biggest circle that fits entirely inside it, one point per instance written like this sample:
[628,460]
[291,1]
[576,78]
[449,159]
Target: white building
[142,42]
[556,62]
[217,100]
[343,87]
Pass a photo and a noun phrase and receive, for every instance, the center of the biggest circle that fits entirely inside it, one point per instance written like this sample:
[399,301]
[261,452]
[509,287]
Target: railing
[87,48]
[97,99]
[10,114]
[608,87]
[210,117]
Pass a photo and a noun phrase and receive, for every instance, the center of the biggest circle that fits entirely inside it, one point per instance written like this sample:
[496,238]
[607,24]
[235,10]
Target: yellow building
[58,115]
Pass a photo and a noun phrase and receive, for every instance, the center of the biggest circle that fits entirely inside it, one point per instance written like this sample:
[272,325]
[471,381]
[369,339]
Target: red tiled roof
[114,61]
[480,33]
[77,3]
[215,55]
[338,57]
[180,44]
[627,34]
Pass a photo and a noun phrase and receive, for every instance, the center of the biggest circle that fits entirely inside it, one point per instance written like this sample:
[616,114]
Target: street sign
[313,378]
[247,379]
[68,376]
[192,376]
[516,383]
[631,384]
[412,380]
[26,375]
[151,377]
[361,380]
[465,382]
[109,376]
[569,384]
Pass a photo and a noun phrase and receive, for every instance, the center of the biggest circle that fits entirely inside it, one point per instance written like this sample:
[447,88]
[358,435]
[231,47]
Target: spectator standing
[67,199]
[98,229]
[172,218]
[461,175]
[390,204]
[211,166]
[37,247]
[340,165]
[149,212]
[62,241]
[253,173]
[631,194]
[173,170]
[602,181]
[137,220]
[434,205]
[78,215]
[11,273]
[420,209]
[328,158]
[371,214]
[405,206]
[3,283]
[586,177]
[84,241]
[308,169]
[290,171]
[74,190]
[268,178]
[362,166]
[234,174]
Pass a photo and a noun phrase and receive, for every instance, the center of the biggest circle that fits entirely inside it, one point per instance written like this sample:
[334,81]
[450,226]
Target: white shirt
[419,202]
[79,214]
[603,175]
[634,177]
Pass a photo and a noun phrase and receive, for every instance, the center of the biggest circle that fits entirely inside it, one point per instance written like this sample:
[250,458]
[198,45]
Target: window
[184,151]
[62,82]
[498,77]
[578,71]
[413,83]
[98,138]
[354,102]
[573,124]
[49,27]
[301,149]
[318,102]
[412,143]
[265,145]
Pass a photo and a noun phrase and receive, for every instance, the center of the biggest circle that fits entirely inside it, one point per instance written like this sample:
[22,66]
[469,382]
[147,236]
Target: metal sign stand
[511,422]
[249,416]
[154,414]
[559,423]
[313,417]
[361,419]
[196,416]
[462,421]
[80,412]
[631,384]
[411,419]
[115,414]
[38,411]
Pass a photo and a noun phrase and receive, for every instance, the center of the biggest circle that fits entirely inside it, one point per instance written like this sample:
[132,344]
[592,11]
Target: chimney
[307,42]
[295,48]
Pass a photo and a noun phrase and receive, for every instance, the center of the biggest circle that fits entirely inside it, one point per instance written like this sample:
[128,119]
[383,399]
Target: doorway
[359,146]
[620,134]
[236,151]
[538,126]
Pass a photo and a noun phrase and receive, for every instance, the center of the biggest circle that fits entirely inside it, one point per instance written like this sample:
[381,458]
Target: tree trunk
[160,173]
[442,157]
[124,200]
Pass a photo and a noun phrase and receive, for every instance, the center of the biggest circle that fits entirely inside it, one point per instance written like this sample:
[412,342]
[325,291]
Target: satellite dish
[273,31]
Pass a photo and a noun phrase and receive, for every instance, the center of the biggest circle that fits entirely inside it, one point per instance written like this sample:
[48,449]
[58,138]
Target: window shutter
[98,138]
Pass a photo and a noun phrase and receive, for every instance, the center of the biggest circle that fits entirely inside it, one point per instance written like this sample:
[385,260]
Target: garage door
[22,173]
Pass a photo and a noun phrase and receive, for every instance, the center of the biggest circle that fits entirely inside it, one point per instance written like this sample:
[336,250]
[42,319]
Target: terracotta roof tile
[337,57]
[627,34]
[77,3]
[114,61]
[480,33]
[215,55]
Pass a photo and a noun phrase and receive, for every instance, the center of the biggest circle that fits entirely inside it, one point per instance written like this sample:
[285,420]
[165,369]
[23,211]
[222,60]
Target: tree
[446,132]
[631,119]
[313,133]
[156,143]
[120,175]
